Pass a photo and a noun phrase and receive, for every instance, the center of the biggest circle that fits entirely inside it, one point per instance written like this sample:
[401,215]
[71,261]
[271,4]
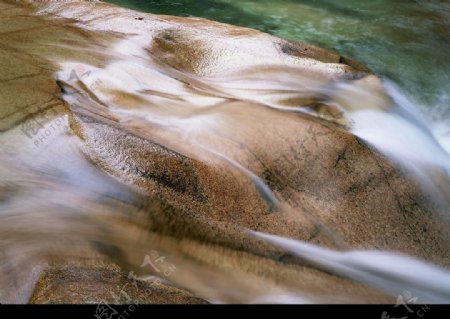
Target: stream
[256,177]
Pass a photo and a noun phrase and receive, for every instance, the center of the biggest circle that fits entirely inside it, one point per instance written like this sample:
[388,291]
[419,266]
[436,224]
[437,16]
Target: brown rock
[202,123]
[81,284]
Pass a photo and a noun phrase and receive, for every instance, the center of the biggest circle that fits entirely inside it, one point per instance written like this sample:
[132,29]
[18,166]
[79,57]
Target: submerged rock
[214,130]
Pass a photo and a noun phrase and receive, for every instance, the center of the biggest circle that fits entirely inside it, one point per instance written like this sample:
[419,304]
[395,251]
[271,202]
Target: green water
[405,41]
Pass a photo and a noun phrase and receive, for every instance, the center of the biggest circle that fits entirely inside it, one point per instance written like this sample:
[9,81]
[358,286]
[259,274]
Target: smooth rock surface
[203,123]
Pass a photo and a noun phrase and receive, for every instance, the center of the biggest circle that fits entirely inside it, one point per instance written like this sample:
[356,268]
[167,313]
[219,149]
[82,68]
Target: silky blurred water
[105,179]
[407,44]
[404,40]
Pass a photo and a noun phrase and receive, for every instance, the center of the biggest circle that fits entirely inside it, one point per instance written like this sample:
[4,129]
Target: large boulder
[215,130]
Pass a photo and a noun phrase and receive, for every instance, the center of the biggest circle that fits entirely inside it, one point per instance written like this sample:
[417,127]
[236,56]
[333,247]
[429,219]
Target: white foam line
[393,273]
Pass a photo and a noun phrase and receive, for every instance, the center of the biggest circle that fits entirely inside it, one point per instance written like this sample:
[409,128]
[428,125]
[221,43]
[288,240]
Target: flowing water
[242,170]
[404,41]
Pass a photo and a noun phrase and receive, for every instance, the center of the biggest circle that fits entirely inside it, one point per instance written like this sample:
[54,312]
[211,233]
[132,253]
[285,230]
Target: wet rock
[108,284]
[205,124]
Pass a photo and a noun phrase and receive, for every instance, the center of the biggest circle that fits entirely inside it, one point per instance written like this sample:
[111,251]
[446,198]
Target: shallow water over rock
[168,149]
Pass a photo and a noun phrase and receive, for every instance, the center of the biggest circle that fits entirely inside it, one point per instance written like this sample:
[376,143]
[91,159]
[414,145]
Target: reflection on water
[148,155]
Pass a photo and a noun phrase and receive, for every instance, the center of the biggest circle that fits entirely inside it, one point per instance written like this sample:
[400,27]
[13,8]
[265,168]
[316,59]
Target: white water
[388,271]
[64,202]
[393,125]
